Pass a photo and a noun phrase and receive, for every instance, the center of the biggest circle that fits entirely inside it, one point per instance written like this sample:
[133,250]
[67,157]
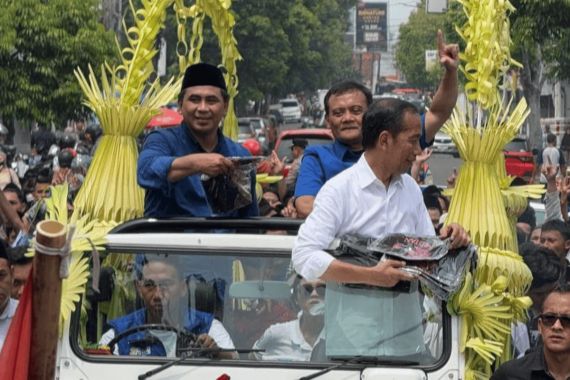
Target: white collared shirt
[357,202]
[6,319]
[285,342]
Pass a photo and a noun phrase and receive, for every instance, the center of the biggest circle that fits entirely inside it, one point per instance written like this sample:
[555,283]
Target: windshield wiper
[193,352]
[360,360]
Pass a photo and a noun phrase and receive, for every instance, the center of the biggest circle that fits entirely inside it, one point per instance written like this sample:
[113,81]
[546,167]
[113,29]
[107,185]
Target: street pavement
[441,166]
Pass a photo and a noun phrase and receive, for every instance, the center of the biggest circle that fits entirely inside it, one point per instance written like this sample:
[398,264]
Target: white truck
[238,272]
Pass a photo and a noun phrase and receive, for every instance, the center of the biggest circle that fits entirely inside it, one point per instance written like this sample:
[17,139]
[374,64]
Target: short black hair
[550,138]
[142,260]
[544,264]
[4,252]
[384,115]
[345,86]
[528,217]
[12,188]
[557,225]
[432,201]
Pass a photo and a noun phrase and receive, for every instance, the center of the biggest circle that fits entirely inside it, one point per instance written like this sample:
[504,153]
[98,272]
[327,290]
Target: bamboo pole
[46,301]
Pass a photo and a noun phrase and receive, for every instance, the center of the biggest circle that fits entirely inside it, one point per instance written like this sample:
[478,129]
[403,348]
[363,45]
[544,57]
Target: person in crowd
[420,169]
[43,182]
[550,156]
[373,198]
[434,209]
[552,359]
[176,165]
[7,175]
[8,305]
[298,147]
[565,144]
[92,138]
[164,293]
[21,268]
[345,104]
[535,235]
[295,340]
[4,134]
[555,235]
[41,141]
[526,223]
[64,172]
[16,201]
[547,269]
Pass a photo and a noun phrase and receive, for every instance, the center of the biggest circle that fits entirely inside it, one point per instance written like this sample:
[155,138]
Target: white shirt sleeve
[552,206]
[316,234]
[220,335]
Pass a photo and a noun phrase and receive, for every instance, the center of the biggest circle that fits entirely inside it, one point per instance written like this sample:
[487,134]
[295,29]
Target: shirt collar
[366,176]
[219,146]
[342,150]
[10,309]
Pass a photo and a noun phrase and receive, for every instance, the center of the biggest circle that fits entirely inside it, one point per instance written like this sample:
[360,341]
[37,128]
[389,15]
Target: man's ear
[383,139]
[567,245]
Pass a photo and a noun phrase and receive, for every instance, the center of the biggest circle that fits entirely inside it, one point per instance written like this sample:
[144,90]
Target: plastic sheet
[231,191]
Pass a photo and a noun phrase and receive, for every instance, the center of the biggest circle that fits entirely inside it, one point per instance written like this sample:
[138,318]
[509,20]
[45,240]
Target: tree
[287,46]
[541,33]
[41,43]
[417,36]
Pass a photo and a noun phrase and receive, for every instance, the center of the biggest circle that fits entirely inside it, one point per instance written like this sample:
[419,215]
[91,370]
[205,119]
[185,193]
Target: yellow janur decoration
[483,201]
[89,235]
[124,103]
[223,22]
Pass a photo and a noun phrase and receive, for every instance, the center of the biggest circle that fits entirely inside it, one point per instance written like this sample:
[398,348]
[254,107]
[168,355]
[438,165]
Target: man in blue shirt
[175,163]
[345,104]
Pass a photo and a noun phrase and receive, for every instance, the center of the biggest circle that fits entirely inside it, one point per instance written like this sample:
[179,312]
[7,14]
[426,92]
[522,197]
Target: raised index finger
[440,42]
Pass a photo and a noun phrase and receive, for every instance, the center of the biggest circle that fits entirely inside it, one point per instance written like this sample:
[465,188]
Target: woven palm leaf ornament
[124,101]
[223,22]
[483,200]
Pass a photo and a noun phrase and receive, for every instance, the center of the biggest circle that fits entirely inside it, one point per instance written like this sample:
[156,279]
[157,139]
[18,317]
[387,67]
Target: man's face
[296,152]
[535,236]
[434,215]
[5,284]
[311,296]
[161,290]
[202,108]
[555,331]
[555,241]
[20,275]
[401,150]
[15,203]
[345,116]
[41,190]
[272,199]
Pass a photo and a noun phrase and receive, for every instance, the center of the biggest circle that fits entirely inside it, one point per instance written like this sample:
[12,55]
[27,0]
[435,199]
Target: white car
[291,110]
[239,281]
[443,144]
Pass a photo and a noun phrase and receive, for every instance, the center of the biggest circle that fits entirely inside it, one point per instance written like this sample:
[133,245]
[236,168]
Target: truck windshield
[251,306]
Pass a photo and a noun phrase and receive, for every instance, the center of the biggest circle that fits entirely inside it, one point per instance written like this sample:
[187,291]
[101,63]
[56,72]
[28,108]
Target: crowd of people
[365,182]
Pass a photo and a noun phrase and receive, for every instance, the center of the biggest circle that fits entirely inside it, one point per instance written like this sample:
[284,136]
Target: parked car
[443,144]
[259,125]
[291,110]
[240,279]
[519,159]
[313,136]
[246,130]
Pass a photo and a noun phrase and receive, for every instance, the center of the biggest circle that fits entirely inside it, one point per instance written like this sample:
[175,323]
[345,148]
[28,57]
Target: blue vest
[198,323]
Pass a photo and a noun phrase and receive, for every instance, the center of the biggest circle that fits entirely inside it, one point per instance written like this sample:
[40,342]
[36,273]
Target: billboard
[372,25]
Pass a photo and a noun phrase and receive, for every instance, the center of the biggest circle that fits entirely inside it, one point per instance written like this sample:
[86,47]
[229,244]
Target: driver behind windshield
[165,296]
[295,340]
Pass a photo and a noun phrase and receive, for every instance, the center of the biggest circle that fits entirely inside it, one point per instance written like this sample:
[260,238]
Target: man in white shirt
[165,296]
[7,305]
[295,340]
[372,198]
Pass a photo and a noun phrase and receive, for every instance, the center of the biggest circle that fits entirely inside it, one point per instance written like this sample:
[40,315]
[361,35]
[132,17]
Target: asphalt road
[441,166]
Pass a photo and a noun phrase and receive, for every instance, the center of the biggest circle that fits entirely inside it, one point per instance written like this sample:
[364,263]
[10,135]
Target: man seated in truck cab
[164,293]
[295,340]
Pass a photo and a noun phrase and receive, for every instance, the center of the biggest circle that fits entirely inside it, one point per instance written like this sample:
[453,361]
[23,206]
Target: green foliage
[416,36]
[543,25]
[41,43]
[287,46]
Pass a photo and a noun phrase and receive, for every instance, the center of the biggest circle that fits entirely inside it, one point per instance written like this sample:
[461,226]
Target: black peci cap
[203,74]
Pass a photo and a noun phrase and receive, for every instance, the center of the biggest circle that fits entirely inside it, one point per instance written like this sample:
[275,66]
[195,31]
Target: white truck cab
[231,280]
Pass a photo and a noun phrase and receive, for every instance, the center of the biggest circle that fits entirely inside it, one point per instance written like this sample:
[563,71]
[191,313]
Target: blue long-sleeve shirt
[186,197]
